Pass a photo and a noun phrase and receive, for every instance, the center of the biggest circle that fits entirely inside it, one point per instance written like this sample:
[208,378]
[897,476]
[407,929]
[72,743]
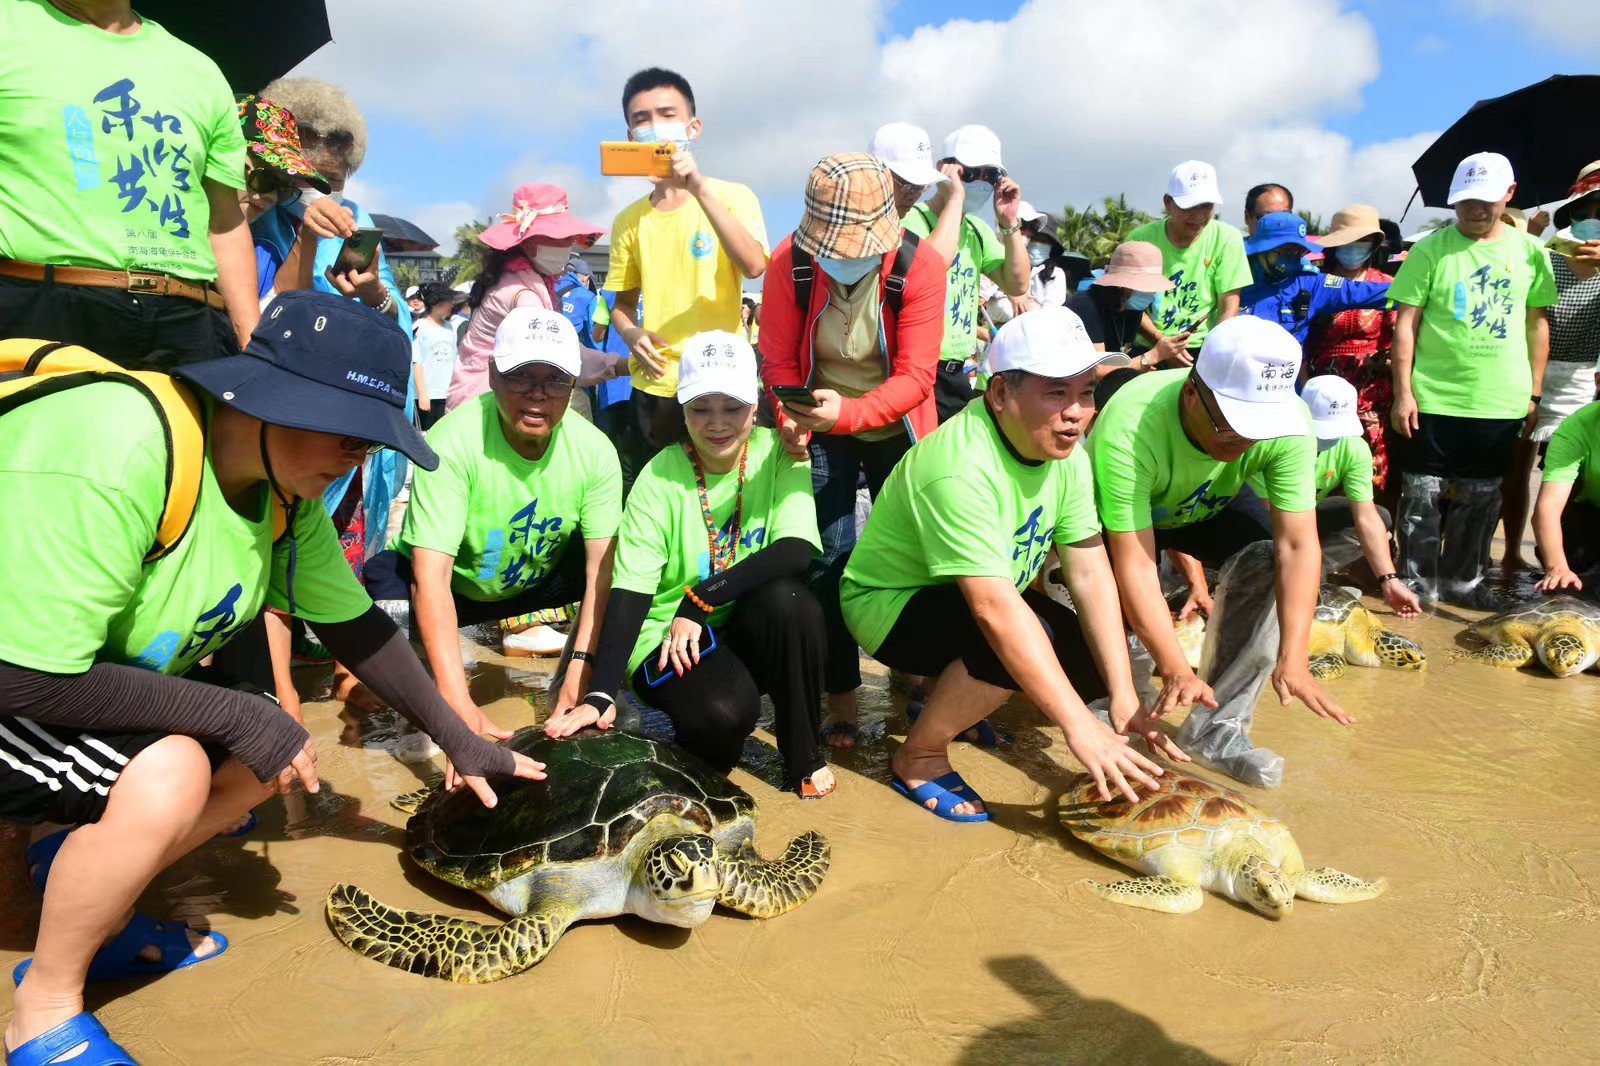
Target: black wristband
[1535,400]
[583,657]
[593,700]
[1384,578]
[691,611]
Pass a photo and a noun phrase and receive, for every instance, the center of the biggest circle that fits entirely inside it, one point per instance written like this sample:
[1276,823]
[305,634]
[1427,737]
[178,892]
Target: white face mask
[651,133]
[551,260]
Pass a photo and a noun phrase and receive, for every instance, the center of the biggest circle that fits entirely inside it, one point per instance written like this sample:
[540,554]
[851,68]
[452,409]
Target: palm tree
[405,274]
[471,253]
[1313,222]
[1096,232]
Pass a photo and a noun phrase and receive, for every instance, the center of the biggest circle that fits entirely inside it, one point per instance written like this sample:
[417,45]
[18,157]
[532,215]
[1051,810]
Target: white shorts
[1567,387]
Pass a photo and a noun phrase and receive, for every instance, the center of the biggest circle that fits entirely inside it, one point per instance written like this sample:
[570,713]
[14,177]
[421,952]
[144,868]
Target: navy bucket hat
[323,363]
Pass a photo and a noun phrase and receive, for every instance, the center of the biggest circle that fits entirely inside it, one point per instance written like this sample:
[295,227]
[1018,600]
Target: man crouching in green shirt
[1172,452]
[938,584]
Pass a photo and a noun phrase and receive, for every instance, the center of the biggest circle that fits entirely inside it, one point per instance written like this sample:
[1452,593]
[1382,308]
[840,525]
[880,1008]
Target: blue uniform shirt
[1293,302]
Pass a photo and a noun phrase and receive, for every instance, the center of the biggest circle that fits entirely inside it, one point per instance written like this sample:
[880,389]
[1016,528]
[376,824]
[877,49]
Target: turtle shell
[601,788]
[1186,812]
[1334,605]
[1539,613]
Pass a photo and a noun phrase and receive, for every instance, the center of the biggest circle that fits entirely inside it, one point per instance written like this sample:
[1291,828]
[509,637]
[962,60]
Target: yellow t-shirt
[686,281]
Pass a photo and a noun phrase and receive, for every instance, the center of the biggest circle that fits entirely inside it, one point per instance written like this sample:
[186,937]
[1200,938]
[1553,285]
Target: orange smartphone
[634,159]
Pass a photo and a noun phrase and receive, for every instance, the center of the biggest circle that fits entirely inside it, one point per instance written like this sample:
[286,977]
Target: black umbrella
[399,229]
[252,43]
[1541,128]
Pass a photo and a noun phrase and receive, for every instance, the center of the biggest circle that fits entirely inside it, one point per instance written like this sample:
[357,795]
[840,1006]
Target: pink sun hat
[539,209]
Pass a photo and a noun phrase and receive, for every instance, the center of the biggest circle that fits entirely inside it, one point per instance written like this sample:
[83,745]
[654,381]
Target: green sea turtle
[621,825]
[1344,632]
[1562,631]
[1193,835]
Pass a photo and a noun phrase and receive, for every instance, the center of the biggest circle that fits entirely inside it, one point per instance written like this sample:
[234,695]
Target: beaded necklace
[720,560]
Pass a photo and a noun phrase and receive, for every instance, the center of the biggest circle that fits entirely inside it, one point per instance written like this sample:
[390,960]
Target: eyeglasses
[361,445]
[992,175]
[1219,423]
[264,181]
[903,187]
[523,385]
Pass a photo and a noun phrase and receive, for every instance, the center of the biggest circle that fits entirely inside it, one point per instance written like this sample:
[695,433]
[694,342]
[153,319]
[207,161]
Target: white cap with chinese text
[1193,182]
[717,363]
[536,335]
[1050,342]
[1332,400]
[1482,176]
[1250,365]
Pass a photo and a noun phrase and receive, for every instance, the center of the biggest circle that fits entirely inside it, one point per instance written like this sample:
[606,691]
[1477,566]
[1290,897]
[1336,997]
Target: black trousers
[1451,447]
[427,416]
[1580,538]
[1242,522]
[388,576]
[647,423]
[134,330]
[772,643]
[936,627]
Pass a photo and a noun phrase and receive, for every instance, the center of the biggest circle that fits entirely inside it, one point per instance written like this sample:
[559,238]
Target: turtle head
[1394,650]
[678,881]
[1263,886]
[1566,649]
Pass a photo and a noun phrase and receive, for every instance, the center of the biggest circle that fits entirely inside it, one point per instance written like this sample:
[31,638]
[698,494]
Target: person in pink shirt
[531,247]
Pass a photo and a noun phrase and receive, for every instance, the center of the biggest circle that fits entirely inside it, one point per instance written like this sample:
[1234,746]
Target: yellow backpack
[30,369]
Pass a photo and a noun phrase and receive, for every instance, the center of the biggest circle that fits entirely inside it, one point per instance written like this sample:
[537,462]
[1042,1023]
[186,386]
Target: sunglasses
[263,181]
[360,444]
[992,175]
[527,385]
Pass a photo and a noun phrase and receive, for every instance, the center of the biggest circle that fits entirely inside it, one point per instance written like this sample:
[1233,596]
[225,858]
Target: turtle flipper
[764,888]
[408,802]
[438,945]
[1327,666]
[1510,656]
[1154,893]
[1328,885]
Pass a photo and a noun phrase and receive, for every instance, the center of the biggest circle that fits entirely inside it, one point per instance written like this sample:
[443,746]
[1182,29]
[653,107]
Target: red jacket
[910,339]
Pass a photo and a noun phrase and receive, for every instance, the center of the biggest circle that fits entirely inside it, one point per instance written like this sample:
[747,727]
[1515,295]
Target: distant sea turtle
[1563,631]
[1344,632]
[1193,835]
[622,825]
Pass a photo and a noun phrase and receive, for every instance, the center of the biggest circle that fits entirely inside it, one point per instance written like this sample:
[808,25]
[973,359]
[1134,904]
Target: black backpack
[803,271]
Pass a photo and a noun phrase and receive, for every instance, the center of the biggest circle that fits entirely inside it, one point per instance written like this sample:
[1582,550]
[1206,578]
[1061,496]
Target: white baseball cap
[536,335]
[974,146]
[1250,365]
[1332,400]
[1481,176]
[717,363]
[908,151]
[1193,182]
[1050,342]
[1026,212]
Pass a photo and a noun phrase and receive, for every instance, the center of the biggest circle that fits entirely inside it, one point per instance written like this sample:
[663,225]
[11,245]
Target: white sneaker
[540,641]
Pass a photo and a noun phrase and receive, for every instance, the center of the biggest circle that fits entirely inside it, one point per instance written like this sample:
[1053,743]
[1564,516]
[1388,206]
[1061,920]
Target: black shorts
[952,390]
[387,576]
[936,627]
[139,331]
[1243,521]
[1451,447]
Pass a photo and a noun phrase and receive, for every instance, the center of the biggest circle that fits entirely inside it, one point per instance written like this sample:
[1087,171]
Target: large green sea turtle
[1563,632]
[1193,835]
[621,825]
[1343,633]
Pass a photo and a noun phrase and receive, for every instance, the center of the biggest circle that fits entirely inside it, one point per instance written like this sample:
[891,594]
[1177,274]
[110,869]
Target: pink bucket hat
[1135,265]
[539,209]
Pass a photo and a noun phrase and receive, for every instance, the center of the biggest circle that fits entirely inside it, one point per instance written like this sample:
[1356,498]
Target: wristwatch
[1144,359]
[1006,231]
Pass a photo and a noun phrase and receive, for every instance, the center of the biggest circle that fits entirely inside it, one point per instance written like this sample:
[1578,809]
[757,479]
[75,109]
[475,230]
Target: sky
[1090,98]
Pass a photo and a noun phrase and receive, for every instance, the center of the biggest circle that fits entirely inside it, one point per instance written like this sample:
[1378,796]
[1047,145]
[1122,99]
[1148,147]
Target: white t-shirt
[434,346]
[1052,293]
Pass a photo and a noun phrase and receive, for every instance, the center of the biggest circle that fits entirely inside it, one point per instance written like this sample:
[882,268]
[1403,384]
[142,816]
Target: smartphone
[357,252]
[636,160]
[795,395]
[653,678]
[1566,246]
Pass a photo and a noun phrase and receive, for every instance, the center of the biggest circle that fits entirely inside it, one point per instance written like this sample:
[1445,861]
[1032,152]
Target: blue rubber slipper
[118,958]
[41,853]
[984,734]
[83,1028]
[947,792]
[841,729]
[249,824]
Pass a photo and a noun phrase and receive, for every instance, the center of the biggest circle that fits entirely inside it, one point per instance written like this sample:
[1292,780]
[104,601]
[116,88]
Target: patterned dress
[1350,344]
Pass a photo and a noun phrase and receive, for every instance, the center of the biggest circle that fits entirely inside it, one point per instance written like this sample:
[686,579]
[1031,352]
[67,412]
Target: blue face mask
[1275,266]
[1351,256]
[1141,301]
[1038,253]
[848,271]
[979,193]
[1586,229]
[650,133]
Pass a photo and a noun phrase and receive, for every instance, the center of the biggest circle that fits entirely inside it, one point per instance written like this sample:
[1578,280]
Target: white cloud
[1430,44]
[1323,169]
[1567,25]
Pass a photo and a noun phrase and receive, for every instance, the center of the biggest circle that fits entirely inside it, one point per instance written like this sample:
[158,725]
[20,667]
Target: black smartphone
[357,252]
[795,395]
[654,678]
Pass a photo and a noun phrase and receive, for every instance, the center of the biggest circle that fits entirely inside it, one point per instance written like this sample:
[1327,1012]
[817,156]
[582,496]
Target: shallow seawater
[1467,786]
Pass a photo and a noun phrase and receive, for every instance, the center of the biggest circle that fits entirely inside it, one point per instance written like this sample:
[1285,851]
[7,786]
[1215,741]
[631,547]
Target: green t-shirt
[1574,451]
[978,252]
[1201,275]
[1346,464]
[1472,345]
[104,142]
[662,546]
[83,474]
[507,520]
[1148,473]
[961,504]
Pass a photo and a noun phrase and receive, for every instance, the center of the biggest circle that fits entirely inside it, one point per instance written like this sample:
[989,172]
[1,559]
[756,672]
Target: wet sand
[1468,787]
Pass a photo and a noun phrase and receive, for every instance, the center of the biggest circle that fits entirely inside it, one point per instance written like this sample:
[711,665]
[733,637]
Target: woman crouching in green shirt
[107,723]
[707,609]
[520,515]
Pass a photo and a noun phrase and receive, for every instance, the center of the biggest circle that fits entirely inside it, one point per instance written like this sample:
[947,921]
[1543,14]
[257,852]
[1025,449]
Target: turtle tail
[438,945]
[764,888]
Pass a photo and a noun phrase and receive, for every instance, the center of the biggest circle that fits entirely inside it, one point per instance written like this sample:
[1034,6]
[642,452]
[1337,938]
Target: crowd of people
[660,480]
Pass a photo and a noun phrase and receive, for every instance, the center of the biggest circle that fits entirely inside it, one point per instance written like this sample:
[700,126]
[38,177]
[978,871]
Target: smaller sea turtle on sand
[1193,835]
[1343,633]
[1563,632]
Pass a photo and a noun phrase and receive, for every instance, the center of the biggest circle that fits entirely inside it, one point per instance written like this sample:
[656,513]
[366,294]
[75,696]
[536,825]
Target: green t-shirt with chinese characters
[1147,473]
[1345,464]
[105,140]
[978,253]
[1574,453]
[1201,275]
[663,544]
[1472,345]
[508,520]
[83,474]
[962,504]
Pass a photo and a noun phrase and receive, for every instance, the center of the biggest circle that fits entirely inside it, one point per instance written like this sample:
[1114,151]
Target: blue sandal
[41,853]
[83,1028]
[945,792]
[119,958]
[984,734]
